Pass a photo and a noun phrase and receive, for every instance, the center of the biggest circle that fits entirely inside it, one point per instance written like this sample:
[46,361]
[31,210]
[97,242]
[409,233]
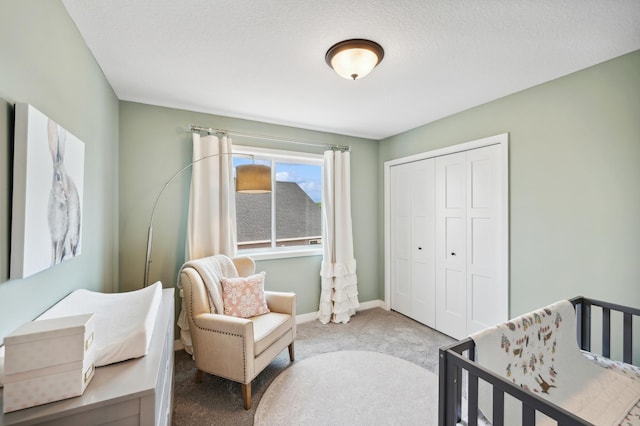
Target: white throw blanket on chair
[212,269]
[539,352]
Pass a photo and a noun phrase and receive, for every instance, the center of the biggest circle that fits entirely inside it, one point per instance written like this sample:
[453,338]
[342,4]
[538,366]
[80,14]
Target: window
[287,221]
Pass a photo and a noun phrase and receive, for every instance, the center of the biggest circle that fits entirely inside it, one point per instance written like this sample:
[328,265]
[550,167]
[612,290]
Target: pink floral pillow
[244,296]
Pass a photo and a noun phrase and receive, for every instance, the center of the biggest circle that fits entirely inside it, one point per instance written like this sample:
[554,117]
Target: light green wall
[45,62]
[154,145]
[574,181]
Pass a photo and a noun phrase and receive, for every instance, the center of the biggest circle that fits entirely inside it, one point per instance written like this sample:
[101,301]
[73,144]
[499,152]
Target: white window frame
[277,155]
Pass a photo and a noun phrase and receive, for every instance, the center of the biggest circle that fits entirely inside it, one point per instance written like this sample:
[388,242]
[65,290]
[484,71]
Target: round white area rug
[351,388]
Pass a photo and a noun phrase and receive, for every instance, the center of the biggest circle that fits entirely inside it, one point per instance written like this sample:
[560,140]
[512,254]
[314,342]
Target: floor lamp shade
[253,178]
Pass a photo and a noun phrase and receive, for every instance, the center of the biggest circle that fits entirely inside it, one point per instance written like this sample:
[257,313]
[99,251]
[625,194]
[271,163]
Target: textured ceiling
[264,60]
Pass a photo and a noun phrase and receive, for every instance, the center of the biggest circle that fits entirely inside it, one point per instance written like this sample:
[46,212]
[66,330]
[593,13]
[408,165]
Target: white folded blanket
[539,352]
[124,322]
[212,269]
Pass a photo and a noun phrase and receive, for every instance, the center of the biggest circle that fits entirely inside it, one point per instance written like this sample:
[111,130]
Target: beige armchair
[237,349]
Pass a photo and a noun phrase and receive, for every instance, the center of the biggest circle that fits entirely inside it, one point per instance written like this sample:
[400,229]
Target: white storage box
[39,344]
[48,360]
[36,387]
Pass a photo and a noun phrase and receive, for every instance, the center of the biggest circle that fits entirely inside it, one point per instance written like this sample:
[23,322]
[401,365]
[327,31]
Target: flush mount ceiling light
[355,58]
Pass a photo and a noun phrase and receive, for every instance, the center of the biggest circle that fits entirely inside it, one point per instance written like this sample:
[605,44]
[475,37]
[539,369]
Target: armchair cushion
[244,296]
[267,329]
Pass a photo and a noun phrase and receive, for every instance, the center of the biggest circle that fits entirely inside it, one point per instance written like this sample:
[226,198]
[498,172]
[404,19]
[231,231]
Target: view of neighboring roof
[297,215]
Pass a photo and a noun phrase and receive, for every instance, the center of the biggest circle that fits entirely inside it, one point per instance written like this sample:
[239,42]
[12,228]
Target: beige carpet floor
[351,388]
[217,401]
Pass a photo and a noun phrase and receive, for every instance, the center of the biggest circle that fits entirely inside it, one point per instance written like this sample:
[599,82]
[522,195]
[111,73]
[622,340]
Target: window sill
[284,253]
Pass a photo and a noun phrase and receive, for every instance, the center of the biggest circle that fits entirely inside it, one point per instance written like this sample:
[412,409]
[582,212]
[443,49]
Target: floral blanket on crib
[538,351]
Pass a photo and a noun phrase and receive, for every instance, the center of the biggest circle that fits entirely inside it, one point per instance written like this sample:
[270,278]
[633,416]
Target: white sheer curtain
[339,292]
[211,224]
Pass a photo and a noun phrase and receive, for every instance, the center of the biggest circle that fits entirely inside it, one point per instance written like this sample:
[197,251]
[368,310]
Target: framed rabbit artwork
[48,180]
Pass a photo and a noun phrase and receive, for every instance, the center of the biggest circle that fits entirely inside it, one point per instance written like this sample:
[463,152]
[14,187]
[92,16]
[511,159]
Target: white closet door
[400,178]
[412,245]
[451,244]
[447,223]
[486,295]
[423,276]
[470,294]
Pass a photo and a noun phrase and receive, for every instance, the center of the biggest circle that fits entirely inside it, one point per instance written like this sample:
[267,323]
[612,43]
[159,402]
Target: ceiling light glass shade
[253,178]
[353,59]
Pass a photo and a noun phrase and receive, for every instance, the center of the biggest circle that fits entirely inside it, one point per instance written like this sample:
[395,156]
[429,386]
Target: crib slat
[442,388]
[453,403]
[472,406]
[606,332]
[528,416]
[585,312]
[458,390]
[627,340]
[498,407]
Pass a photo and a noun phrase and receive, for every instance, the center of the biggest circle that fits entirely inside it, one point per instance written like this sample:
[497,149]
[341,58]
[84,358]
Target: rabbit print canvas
[48,191]
[63,211]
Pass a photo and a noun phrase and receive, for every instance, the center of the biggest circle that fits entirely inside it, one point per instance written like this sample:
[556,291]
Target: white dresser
[134,392]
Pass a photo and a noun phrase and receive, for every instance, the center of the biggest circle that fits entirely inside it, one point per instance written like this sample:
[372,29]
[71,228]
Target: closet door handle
[419,248]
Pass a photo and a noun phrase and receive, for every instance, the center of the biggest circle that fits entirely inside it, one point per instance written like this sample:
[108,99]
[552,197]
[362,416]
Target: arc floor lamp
[250,178]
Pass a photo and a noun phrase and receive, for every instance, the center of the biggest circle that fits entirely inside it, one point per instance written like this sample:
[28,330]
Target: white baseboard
[373,304]
[311,316]
[302,318]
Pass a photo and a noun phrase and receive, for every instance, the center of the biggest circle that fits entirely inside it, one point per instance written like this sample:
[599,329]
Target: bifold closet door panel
[412,245]
[451,244]
[423,243]
[470,295]
[401,219]
[486,296]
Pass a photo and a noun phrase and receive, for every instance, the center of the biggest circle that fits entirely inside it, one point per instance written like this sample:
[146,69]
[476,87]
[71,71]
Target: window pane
[298,208]
[296,218]
[253,220]
[253,214]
